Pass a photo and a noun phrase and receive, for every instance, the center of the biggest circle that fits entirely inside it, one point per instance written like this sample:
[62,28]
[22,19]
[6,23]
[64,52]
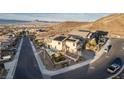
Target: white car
[113,68]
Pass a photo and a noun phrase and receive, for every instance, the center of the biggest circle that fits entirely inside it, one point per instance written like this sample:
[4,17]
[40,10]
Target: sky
[84,17]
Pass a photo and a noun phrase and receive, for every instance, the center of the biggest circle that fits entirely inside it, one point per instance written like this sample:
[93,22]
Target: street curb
[15,61]
[101,52]
[40,64]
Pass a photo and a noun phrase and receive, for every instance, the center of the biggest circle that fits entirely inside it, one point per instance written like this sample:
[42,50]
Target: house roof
[80,33]
[59,38]
[101,32]
[72,40]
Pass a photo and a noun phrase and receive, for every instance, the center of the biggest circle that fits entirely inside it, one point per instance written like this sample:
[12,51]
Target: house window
[59,43]
[73,44]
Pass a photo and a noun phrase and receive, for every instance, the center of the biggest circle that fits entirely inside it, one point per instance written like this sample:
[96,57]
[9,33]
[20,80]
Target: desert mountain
[61,28]
[67,26]
[114,24]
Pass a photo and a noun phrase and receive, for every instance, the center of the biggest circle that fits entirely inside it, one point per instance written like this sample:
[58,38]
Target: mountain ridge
[114,24]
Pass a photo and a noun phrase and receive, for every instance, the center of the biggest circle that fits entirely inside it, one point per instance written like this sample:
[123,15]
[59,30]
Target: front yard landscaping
[58,57]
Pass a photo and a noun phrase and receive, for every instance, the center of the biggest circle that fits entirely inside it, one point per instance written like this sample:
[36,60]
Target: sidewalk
[11,66]
[101,52]
[47,73]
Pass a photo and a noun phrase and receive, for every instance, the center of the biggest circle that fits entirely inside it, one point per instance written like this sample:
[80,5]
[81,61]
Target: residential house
[66,43]
[72,45]
[57,43]
[99,36]
[97,39]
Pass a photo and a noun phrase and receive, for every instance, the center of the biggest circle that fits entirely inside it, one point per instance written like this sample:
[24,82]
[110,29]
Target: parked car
[6,58]
[115,66]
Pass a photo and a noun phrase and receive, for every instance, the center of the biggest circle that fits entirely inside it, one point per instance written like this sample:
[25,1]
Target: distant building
[40,30]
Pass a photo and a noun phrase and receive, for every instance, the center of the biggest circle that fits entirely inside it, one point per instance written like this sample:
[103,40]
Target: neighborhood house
[72,45]
[57,43]
[65,44]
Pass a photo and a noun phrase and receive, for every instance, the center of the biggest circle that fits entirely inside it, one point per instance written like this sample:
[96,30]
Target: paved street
[27,67]
[97,70]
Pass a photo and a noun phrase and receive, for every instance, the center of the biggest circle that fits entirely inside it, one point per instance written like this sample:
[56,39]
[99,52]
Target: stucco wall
[72,48]
[56,45]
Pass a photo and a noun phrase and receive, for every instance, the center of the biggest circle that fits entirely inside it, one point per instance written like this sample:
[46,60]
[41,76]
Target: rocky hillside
[67,26]
[60,28]
[114,24]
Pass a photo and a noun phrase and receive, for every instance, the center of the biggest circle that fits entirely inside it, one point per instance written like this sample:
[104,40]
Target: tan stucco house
[65,44]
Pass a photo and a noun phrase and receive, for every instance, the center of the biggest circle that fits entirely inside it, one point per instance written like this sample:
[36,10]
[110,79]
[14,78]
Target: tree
[93,42]
[91,45]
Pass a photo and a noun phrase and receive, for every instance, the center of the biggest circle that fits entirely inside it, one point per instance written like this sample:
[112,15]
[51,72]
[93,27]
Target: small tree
[93,42]
[91,45]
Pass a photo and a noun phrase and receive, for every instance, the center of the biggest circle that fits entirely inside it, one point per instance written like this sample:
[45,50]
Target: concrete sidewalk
[101,52]
[11,66]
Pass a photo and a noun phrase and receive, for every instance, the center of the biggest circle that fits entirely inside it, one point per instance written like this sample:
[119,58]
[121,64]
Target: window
[73,44]
[59,43]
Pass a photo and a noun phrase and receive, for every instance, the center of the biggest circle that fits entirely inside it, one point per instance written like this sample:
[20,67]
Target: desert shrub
[58,57]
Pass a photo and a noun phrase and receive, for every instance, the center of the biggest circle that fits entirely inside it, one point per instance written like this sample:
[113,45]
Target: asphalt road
[27,67]
[97,70]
